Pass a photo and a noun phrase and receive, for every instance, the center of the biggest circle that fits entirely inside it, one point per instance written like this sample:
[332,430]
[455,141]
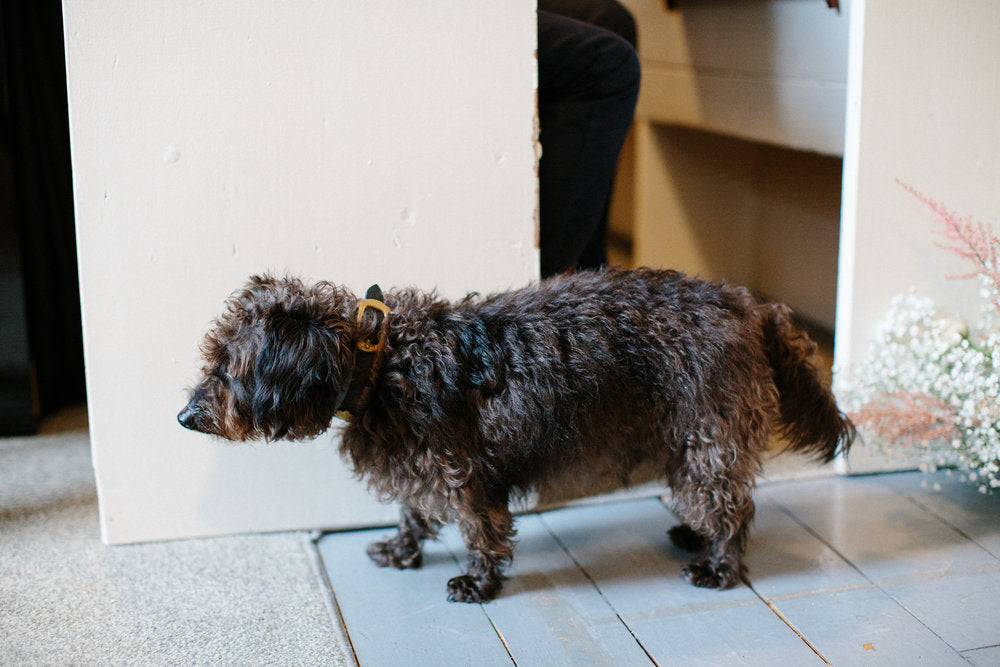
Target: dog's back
[599,372]
[692,341]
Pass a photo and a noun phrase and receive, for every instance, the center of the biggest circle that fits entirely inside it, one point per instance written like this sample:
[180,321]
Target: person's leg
[608,14]
[588,82]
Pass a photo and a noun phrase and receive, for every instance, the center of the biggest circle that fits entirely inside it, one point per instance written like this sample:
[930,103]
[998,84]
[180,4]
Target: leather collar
[368,355]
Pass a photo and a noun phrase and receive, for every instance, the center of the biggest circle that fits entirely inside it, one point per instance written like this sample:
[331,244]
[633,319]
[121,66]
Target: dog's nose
[187,417]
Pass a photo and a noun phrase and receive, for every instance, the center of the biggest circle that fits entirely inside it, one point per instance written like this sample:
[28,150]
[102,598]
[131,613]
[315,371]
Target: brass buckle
[363,305]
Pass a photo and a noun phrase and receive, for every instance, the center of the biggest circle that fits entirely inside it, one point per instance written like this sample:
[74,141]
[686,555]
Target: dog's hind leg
[723,519]
[713,494]
[488,530]
[684,537]
[404,549]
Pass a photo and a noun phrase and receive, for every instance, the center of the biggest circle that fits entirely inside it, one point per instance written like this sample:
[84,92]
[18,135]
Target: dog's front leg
[404,549]
[488,529]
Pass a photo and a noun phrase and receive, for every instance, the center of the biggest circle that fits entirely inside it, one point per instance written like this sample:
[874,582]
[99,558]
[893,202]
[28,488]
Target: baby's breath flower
[931,381]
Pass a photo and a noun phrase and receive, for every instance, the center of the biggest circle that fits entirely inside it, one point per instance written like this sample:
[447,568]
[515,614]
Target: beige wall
[735,158]
[358,142]
[760,215]
[924,89]
[769,70]
[924,86]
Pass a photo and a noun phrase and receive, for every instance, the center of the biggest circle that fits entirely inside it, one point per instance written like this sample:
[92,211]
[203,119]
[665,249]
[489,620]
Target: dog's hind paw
[684,537]
[469,588]
[400,554]
[704,574]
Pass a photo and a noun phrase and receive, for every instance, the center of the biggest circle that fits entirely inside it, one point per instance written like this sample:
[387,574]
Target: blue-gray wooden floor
[876,570]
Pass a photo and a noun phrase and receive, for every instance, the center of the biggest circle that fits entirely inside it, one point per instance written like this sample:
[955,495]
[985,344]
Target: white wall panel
[923,89]
[357,142]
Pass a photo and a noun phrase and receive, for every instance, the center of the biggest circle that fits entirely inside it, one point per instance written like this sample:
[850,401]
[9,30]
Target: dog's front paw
[704,574]
[400,554]
[469,588]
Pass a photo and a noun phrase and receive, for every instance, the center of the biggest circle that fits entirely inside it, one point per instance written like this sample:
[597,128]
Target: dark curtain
[35,138]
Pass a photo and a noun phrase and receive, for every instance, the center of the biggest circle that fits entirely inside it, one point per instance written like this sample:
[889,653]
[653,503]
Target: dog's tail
[810,419]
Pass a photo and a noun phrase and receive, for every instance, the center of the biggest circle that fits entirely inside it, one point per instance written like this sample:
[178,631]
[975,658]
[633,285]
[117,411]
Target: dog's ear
[299,369]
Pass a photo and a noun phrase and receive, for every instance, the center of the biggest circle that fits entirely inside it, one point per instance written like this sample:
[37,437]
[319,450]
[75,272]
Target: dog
[456,408]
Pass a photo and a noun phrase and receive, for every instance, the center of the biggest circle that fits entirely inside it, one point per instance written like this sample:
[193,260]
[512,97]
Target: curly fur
[595,373]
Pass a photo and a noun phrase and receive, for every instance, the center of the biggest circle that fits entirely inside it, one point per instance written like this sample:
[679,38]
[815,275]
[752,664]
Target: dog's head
[274,362]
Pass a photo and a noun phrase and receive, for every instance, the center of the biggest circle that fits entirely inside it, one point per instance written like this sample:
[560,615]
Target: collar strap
[367,355]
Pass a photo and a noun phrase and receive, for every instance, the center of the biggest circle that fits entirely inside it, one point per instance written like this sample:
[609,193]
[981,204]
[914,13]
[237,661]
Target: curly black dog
[453,408]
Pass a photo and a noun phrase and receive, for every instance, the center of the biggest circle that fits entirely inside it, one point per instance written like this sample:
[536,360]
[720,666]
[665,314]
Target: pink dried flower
[908,419]
[969,239]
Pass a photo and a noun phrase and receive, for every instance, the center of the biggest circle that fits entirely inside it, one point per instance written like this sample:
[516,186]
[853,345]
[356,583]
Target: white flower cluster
[919,351]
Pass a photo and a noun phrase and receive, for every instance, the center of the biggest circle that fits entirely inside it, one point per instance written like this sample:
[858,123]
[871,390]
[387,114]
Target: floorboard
[402,617]
[946,495]
[784,558]
[874,570]
[865,627]
[880,531]
[549,612]
[983,657]
[964,610]
[624,548]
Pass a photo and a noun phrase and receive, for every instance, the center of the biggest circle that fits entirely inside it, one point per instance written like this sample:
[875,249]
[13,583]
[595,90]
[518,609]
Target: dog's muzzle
[188,417]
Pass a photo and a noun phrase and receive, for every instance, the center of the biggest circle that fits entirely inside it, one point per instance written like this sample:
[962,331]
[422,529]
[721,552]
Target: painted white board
[382,141]
[923,89]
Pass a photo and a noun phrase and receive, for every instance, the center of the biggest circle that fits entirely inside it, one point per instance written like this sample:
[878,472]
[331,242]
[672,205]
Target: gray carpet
[66,598]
